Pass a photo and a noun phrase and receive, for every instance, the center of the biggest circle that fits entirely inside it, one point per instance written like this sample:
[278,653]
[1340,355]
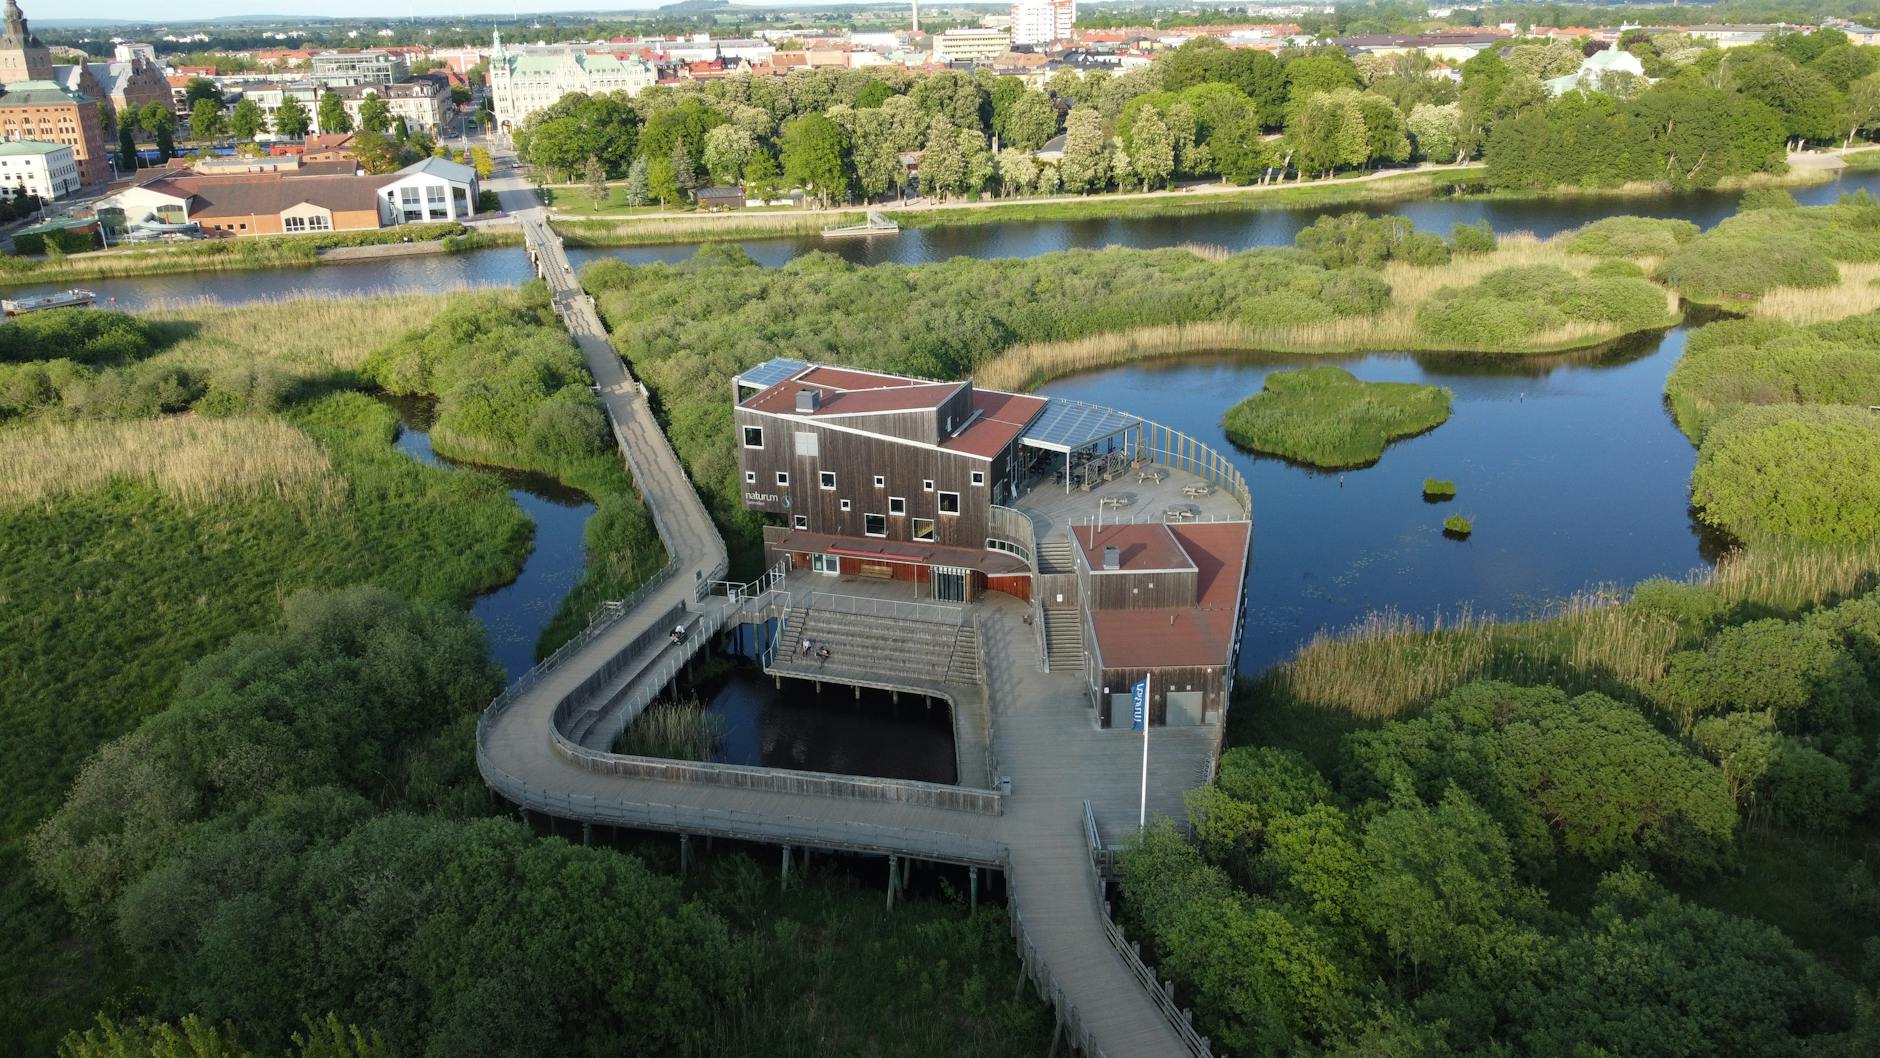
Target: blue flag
[1139,705]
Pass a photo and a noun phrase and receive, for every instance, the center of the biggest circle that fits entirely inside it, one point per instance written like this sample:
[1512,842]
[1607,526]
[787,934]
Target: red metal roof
[1002,418]
[994,563]
[1140,546]
[850,378]
[780,399]
[1184,637]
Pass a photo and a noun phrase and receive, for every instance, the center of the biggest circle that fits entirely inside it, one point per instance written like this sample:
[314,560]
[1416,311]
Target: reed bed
[675,730]
[188,458]
[1392,330]
[1858,291]
[306,335]
[1388,663]
[1207,251]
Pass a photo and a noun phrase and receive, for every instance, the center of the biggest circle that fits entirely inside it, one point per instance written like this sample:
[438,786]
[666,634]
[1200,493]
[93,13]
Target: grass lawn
[1326,417]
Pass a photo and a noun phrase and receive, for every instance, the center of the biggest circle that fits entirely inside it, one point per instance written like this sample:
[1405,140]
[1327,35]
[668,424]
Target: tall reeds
[188,458]
[675,730]
[304,335]
[1857,292]
[703,228]
[1389,662]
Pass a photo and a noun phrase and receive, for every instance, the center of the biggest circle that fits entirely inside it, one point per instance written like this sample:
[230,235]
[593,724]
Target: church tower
[22,57]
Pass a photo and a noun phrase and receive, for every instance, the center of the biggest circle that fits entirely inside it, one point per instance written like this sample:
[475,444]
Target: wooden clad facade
[884,475]
[1140,589]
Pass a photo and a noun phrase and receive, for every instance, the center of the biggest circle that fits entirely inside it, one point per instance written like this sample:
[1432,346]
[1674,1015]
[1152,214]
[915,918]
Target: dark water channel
[833,730]
[1234,230]
[515,614]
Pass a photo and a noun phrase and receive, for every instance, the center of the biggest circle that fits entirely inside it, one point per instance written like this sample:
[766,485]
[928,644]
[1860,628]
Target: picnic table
[1181,512]
[1116,501]
[1148,474]
[1199,488]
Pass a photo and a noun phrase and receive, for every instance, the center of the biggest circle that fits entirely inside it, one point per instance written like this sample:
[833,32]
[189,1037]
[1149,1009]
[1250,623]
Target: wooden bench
[875,570]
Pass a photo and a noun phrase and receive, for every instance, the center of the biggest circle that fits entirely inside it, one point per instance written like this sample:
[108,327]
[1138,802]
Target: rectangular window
[802,521]
[926,486]
[923,528]
[874,525]
[783,478]
[827,480]
[753,437]
[880,482]
[949,503]
[979,477]
[750,477]
[897,505]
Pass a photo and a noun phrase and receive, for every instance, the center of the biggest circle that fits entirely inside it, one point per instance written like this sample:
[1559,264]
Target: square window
[897,505]
[979,477]
[801,521]
[949,503]
[827,479]
[753,437]
[923,528]
[750,477]
[926,486]
[874,525]
[880,482]
[845,505]
[783,478]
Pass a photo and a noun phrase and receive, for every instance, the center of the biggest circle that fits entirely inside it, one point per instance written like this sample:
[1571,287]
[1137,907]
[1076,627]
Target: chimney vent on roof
[1112,558]
[808,400]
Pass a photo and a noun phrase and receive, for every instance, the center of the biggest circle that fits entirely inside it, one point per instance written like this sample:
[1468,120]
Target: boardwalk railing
[1162,992]
[895,609]
[776,827]
[784,781]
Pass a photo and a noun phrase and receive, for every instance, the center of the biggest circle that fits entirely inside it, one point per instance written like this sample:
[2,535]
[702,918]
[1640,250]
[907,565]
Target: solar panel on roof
[771,372]
[1067,425]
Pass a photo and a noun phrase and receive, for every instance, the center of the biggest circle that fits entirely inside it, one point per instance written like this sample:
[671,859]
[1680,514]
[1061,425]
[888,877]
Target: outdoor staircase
[1054,555]
[875,650]
[1064,638]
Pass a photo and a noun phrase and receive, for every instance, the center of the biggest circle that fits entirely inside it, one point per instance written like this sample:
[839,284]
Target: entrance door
[949,585]
[1184,708]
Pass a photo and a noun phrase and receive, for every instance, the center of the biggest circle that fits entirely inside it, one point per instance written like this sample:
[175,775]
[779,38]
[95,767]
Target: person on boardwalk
[822,653]
[806,646]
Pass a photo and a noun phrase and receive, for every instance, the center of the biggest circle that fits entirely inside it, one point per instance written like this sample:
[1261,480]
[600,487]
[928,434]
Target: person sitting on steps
[822,653]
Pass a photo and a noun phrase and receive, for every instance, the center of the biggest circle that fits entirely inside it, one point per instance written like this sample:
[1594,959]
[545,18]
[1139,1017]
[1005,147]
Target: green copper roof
[38,93]
[16,148]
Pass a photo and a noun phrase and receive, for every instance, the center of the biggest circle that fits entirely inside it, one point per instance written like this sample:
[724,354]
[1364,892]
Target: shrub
[1754,251]
[1696,608]
[1356,240]
[1616,268]
[1510,306]
[1328,418]
[1807,475]
[1457,525]
[87,336]
[1738,362]
[1766,198]
[1437,489]
[1630,237]
[1808,790]
[1472,238]
[1801,674]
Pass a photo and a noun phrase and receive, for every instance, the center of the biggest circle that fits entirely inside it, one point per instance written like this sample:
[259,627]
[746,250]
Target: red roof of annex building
[1176,637]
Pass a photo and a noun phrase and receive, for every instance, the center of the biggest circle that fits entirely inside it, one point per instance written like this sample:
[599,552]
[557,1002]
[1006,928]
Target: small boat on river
[63,299]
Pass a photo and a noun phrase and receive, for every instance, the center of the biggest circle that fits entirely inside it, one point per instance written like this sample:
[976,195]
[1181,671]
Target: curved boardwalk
[1042,738]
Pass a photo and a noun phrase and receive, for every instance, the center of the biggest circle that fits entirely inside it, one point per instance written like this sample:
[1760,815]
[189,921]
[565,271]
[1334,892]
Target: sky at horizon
[134,11]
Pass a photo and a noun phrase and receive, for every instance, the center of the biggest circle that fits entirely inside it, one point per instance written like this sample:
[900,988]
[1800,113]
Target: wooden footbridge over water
[545,743]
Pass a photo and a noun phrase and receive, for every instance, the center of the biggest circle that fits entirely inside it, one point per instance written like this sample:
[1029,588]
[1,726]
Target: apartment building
[46,170]
[1043,21]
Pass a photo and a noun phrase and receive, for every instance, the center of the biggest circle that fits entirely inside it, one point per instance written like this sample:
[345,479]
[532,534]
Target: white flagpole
[1148,695]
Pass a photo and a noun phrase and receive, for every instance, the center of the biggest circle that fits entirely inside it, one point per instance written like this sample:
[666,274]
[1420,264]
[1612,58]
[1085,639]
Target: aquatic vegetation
[1327,417]
[1438,489]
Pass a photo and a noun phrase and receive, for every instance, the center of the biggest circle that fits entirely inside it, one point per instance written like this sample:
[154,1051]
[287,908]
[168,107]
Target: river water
[1238,230]
[515,614]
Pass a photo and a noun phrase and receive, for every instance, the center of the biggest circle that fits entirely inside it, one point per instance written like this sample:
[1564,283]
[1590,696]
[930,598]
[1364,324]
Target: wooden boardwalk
[1041,735]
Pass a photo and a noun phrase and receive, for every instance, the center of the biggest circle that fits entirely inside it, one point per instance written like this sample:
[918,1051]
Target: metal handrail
[1161,992]
[869,606]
